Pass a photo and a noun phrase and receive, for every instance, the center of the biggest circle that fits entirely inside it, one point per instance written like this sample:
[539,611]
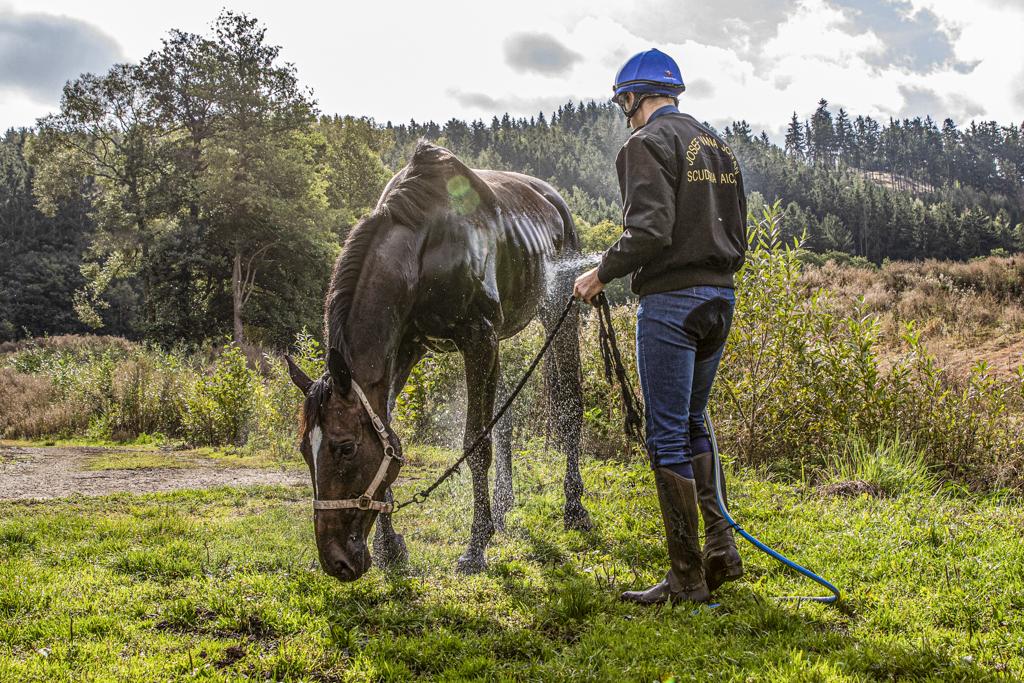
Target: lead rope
[632,423]
[613,359]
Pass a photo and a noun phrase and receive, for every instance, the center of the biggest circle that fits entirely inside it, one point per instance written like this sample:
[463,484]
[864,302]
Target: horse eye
[346,449]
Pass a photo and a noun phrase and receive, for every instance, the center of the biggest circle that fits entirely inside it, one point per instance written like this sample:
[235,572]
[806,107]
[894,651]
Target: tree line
[200,192]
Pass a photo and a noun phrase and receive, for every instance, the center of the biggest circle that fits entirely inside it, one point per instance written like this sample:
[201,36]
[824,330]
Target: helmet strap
[638,99]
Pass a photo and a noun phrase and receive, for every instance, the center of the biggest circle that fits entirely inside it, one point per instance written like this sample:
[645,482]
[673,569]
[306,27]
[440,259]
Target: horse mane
[316,398]
[427,189]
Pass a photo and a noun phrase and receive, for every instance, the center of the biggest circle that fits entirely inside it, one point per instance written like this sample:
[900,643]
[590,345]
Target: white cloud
[437,61]
[815,31]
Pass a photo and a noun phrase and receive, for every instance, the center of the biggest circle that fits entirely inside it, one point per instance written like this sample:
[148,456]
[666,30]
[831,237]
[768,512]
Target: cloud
[736,24]
[1018,91]
[700,88]
[918,101]
[539,53]
[475,100]
[923,101]
[40,52]
[915,40]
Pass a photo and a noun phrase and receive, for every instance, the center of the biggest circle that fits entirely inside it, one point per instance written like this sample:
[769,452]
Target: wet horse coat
[451,259]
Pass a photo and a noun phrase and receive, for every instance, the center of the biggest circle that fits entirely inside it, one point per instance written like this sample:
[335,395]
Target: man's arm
[743,204]
[648,186]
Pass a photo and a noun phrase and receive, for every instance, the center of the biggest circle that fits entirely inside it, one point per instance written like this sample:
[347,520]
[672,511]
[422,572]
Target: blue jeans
[680,336]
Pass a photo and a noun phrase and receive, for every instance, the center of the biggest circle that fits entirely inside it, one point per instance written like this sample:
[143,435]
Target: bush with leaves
[219,405]
[799,381]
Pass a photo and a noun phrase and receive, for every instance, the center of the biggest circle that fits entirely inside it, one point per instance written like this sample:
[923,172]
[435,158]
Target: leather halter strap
[366,501]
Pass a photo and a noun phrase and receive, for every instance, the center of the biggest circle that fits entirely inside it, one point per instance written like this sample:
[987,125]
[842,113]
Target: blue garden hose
[825,599]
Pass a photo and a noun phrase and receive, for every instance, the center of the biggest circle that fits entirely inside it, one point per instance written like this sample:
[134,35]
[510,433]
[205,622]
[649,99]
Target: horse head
[353,458]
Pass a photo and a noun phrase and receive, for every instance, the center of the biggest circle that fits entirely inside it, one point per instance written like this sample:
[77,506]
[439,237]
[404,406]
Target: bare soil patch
[43,472]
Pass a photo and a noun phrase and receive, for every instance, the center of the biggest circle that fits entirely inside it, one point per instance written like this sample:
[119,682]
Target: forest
[200,193]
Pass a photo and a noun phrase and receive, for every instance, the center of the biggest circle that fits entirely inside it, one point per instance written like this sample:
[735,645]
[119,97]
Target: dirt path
[28,472]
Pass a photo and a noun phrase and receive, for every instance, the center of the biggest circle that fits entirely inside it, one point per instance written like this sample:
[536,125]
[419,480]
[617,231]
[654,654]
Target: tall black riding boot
[677,497]
[721,559]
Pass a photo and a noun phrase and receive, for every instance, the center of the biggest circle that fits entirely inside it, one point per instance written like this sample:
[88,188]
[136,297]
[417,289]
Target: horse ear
[300,379]
[340,372]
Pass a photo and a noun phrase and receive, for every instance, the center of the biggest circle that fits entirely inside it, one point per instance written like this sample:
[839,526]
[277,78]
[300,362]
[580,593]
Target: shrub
[795,375]
[145,397]
[32,355]
[275,418]
[431,407]
[218,406]
[29,408]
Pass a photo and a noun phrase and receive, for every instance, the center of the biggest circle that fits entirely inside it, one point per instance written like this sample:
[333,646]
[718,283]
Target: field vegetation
[223,585]
[820,357]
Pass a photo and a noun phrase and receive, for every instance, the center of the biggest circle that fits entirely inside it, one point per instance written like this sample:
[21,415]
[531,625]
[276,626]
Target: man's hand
[588,286]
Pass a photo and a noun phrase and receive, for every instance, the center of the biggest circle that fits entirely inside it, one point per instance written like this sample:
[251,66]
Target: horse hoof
[391,553]
[578,520]
[472,564]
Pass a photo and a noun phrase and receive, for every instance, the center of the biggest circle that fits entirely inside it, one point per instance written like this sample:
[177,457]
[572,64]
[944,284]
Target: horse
[451,259]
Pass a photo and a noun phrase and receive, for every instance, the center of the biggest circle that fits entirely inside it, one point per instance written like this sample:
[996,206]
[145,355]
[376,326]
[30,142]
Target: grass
[220,584]
[130,460]
[893,466]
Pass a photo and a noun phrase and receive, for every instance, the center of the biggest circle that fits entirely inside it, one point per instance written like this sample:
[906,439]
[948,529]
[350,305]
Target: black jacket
[684,212]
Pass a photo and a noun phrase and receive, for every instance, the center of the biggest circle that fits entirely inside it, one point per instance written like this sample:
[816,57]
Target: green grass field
[223,584]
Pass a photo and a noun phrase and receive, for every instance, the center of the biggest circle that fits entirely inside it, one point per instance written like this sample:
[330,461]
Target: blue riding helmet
[649,72]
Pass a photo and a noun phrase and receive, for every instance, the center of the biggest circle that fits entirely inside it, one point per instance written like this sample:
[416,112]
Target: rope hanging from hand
[633,423]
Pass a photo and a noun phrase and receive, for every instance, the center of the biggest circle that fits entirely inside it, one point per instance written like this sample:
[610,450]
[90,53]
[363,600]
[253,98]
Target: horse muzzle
[345,564]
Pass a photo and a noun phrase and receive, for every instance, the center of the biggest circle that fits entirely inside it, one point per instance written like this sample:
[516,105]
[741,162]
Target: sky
[402,60]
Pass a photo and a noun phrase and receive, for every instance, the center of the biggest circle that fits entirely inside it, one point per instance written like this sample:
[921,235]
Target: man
[684,235]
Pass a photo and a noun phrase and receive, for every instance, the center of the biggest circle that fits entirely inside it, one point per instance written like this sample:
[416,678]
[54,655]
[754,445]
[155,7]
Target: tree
[261,198]
[795,138]
[39,254]
[353,168]
[845,139]
[208,142]
[106,137]
[822,141]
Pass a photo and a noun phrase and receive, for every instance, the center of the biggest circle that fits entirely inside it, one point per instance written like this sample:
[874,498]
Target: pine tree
[795,139]
[823,135]
[844,137]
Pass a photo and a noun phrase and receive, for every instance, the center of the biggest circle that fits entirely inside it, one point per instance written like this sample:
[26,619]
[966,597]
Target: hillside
[966,313]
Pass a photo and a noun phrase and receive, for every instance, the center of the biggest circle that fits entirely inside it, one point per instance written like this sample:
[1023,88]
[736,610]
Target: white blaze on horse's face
[316,437]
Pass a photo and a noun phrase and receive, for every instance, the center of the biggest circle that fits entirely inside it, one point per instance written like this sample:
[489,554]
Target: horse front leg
[480,351]
[389,547]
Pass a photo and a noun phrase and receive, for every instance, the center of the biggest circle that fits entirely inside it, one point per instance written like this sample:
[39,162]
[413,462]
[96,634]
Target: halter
[365,501]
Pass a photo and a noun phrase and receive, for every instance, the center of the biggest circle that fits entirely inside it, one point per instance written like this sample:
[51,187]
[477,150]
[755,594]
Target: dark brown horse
[451,259]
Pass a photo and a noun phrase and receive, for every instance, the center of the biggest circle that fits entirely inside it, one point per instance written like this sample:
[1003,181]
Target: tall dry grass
[961,302]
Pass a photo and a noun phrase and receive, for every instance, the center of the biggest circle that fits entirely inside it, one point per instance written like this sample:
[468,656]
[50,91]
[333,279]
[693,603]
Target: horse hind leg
[563,378]
[389,547]
[480,350]
[504,495]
